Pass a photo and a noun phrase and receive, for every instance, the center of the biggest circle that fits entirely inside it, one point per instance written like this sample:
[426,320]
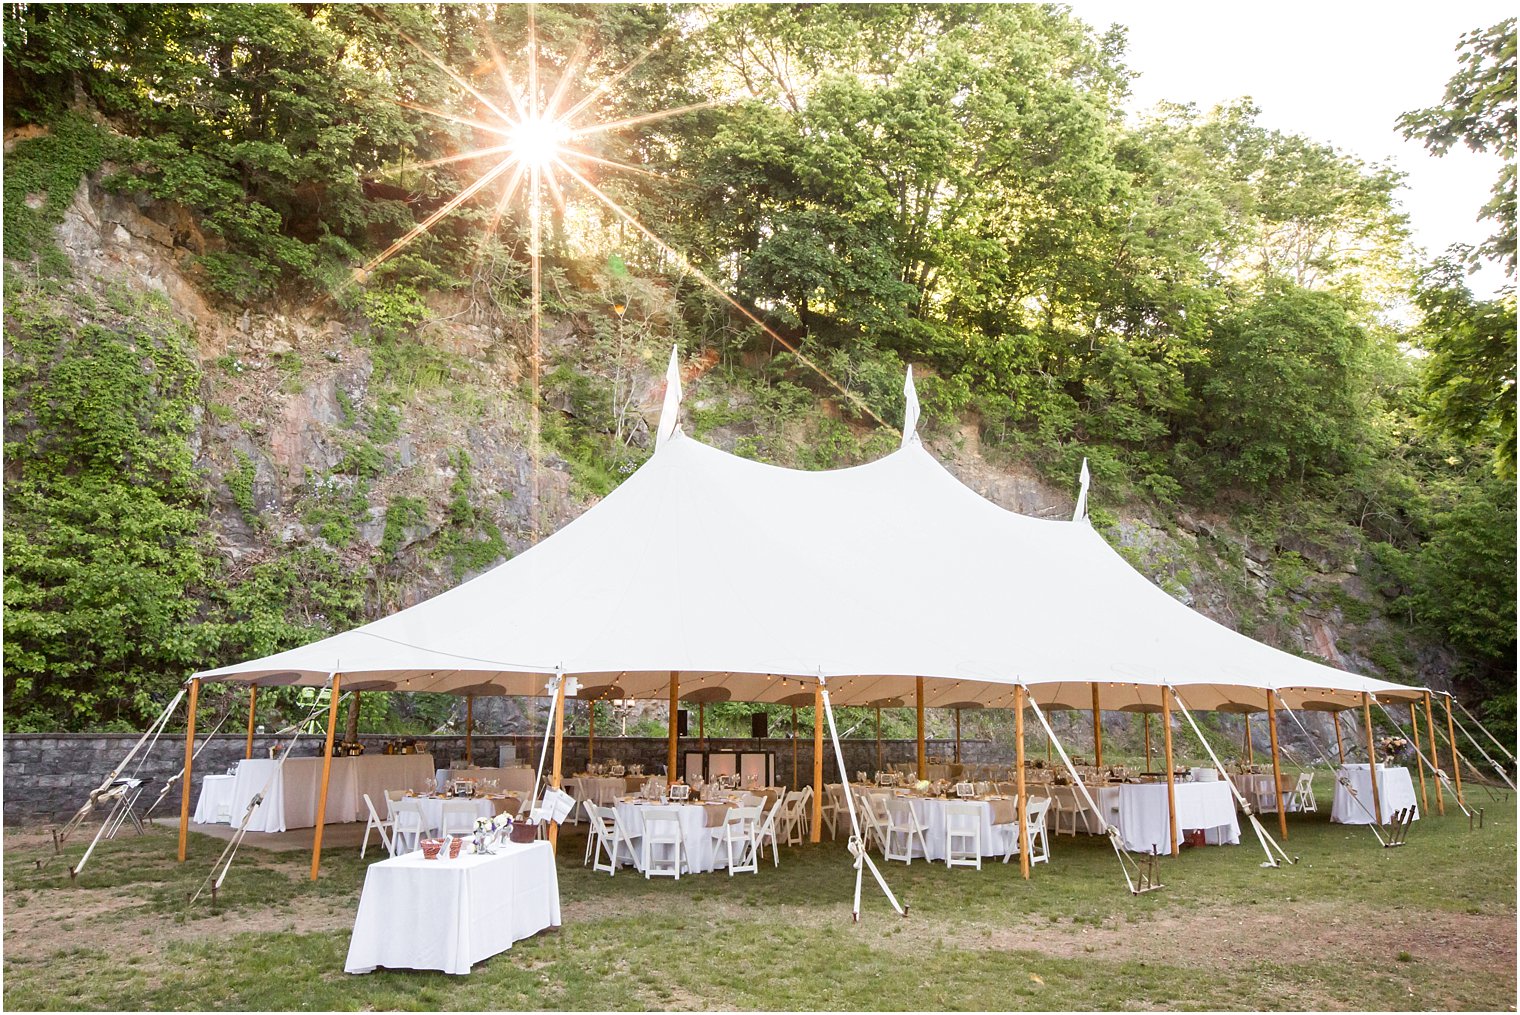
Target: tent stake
[184,792]
[253,699]
[1435,759]
[1456,763]
[1282,813]
[1018,768]
[1097,728]
[327,755]
[815,833]
[1171,773]
[1372,759]
[923,761]
[1414,728]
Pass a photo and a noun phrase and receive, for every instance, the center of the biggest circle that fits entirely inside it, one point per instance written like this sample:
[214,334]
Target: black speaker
[681,722]
[759,725]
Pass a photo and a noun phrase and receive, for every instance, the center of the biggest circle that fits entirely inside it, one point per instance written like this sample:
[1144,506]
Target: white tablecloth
[290,794]
[432,809]
[449,914]
[1140,812]
[930,811]
[703,852]
[599,789]
[215,801]
[1395,792]
[517,781]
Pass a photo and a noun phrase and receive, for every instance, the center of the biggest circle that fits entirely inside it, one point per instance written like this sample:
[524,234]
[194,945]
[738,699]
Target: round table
[432,809]
[704,845]
[997,840]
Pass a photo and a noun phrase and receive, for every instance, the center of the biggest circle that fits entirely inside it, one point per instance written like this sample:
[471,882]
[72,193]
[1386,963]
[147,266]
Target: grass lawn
[1352,926]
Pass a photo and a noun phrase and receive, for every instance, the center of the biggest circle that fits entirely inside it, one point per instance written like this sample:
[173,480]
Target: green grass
[1428,926]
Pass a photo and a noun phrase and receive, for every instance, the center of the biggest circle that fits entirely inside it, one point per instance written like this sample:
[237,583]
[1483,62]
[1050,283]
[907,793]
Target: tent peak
[910,410]
[670,412]
[1085,479]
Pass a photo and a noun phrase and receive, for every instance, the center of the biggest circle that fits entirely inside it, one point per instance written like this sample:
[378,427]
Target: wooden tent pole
[590,732]
[794,748]
[1430,731]
[184,786]
[1372,757]
[957,736]
[815,833]
[1282,814]
[923,758]
[559,754]
[675,708]
[1414,728]
[253,701]
[469,730]
[1097,728]
[327,756]
[878,738]
[1018,769]
[1456,762]
[1147,717]
[1250,752]
[1171,774]
[702,724]
[352,733]
[1339,746]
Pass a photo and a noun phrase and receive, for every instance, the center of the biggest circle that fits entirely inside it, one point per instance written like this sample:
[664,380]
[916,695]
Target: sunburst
[535,137]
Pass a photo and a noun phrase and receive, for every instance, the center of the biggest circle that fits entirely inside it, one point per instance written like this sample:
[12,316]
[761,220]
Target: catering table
[291,792]
[518,781]
[1140,813]
[704,853]
[449,914]
[215,802]
[930,811]
[1395,792]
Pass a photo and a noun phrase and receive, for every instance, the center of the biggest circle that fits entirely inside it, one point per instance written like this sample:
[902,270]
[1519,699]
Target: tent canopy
[759,580]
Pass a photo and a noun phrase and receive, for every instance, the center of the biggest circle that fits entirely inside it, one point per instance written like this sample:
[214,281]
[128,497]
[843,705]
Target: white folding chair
[1039,834]
[407,825]
[391,797]
[806,810]
[833,808]
[739,833]
[662,827]
[766,832]
[458,818]
[1302,796]
[377,824]
[963,834]
[609,837]
[589,806]
[791,818]
[903,827]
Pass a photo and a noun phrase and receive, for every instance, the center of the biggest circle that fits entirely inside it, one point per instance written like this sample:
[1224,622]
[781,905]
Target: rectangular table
[450,914]
[1395,792]
[291,791]
[215,802]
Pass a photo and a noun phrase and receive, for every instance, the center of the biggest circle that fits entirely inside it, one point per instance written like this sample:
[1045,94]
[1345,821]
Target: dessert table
[449,914]
[215,802]
[1395,792]
[291,791]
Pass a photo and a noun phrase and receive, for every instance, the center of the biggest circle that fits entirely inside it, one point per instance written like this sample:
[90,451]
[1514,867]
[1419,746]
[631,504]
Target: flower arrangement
[1391,747]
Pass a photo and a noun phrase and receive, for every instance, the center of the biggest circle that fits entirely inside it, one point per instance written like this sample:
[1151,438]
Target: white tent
[759,579]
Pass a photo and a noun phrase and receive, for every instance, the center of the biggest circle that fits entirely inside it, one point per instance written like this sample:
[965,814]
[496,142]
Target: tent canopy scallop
[760,580]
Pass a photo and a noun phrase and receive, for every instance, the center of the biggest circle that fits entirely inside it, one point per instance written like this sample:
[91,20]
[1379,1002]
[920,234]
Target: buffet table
[449,914]
[1395,792]
[291,790]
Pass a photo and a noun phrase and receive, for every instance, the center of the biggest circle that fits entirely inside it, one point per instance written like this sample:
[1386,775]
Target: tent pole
[327,756]
[1430,730]
[1456,762]
[1372,757]
[1097,728]
[1018,769]
[815,833]
[184,792]
[1171,774]
[1282,814]
[253,700]
[878,738]
[559,753]
[1147,717]
[469,729]
[957,736]
[1414,730]
[923,760]
[1250,754]
[794,748]
[702,724]
[1340,748]
[591,732]
[675,708]
[352,735]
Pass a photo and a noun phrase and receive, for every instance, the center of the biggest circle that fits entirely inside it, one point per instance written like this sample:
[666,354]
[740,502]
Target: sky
[1337,72]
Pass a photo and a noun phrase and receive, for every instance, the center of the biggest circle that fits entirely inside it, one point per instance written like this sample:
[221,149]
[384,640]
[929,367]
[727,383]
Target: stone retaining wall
[47,776]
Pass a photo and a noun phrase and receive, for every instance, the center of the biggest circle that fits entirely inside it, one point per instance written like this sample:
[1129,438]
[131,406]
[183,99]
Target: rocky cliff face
[309,438]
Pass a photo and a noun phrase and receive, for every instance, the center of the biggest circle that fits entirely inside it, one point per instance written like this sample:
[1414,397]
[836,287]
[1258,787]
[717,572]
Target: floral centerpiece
[488,830]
